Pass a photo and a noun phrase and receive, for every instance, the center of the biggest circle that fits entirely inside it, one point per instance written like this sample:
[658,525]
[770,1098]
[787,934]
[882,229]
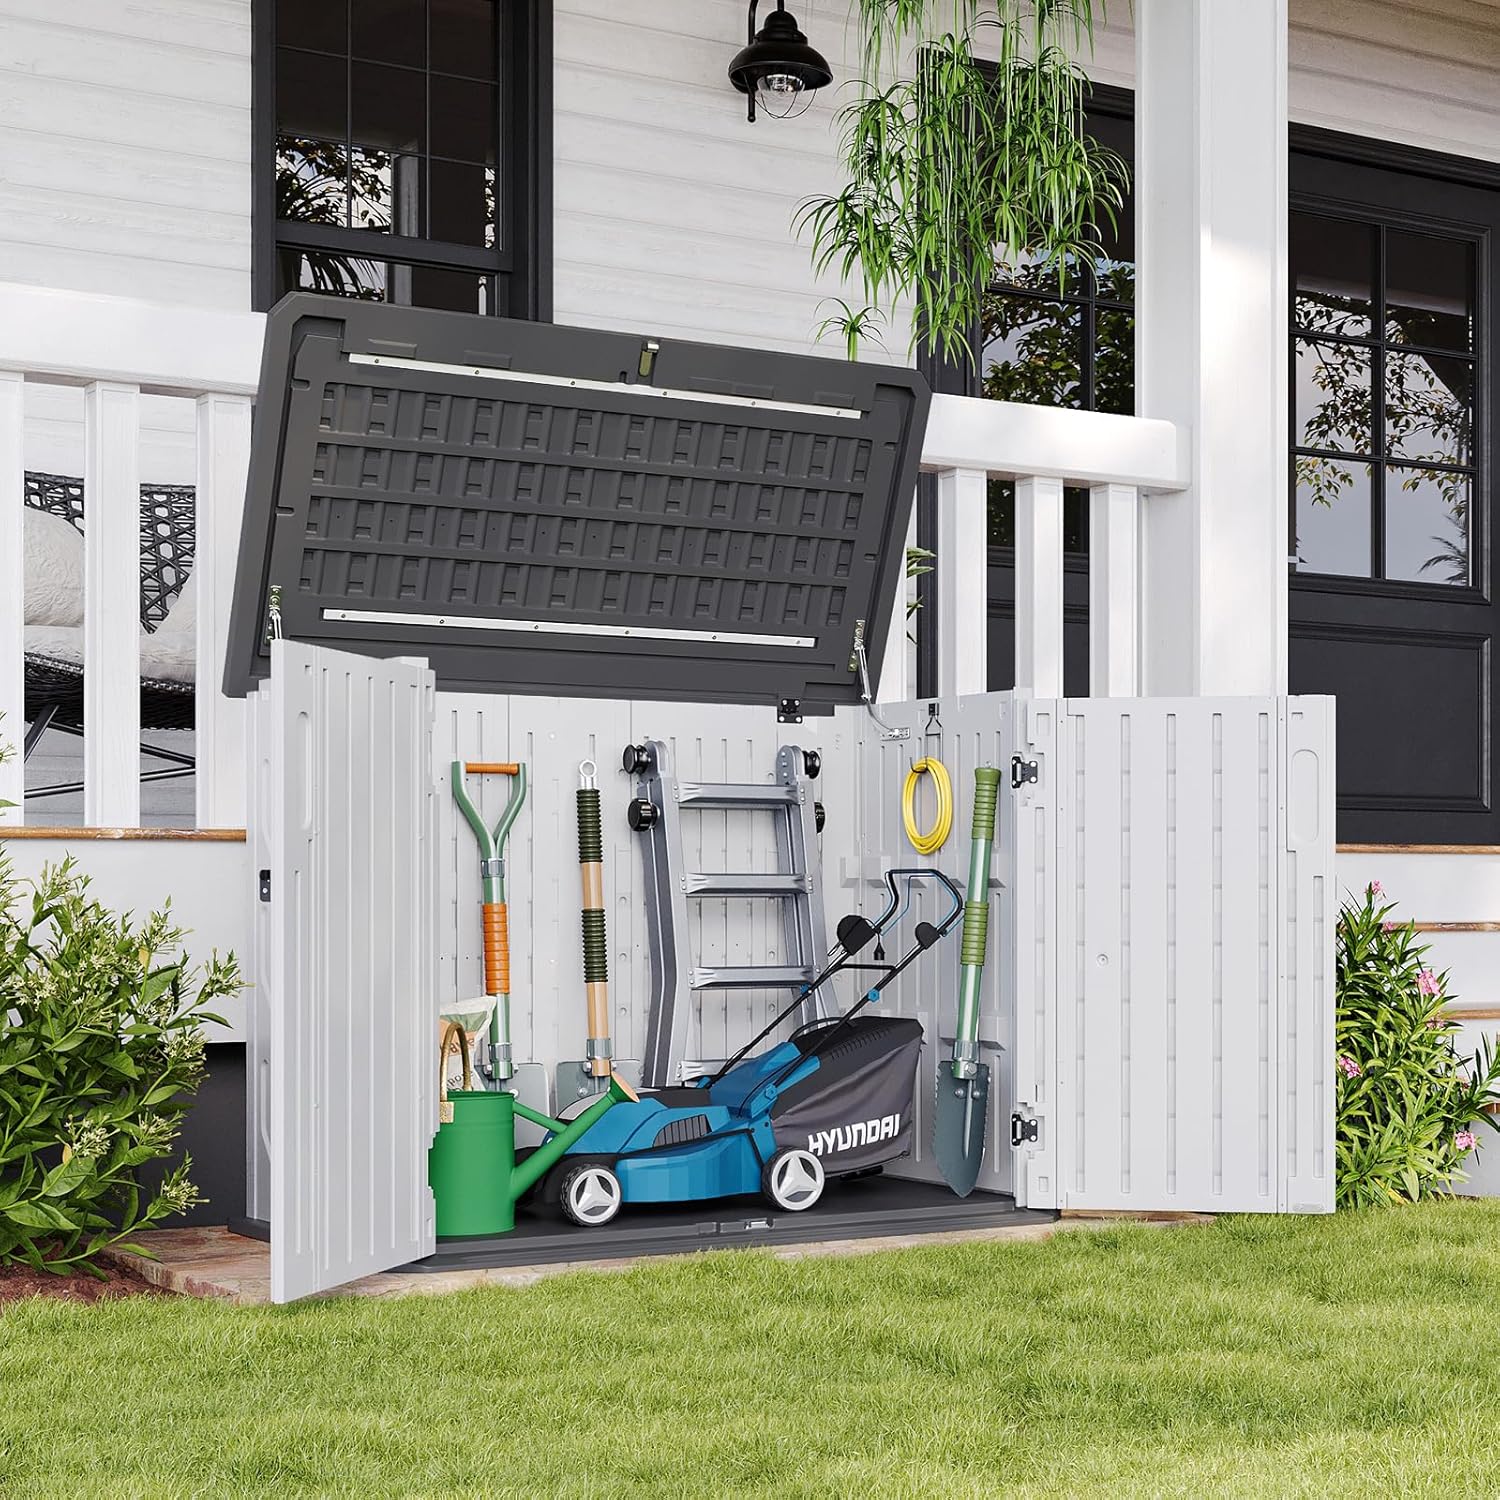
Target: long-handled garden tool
[498,1065]
[963,1082]
[599,1049]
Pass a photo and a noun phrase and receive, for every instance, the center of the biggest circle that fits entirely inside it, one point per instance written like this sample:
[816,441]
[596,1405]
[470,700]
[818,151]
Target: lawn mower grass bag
[855,1111]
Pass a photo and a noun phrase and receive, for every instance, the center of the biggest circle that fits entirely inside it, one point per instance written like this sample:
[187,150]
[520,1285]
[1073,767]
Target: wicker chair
[54,687]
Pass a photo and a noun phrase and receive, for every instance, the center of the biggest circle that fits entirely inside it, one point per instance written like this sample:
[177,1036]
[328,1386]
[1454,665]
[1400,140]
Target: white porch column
[1039,587]
[1114,597]
[1211,338]
[12,593]
[219,722]
[961,569]
[111,605]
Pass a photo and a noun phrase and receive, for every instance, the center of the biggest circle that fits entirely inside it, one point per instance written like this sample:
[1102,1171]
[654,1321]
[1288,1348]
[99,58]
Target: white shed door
[353,967]
[1194,957]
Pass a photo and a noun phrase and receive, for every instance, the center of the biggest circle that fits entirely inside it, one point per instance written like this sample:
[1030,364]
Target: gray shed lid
[544,509]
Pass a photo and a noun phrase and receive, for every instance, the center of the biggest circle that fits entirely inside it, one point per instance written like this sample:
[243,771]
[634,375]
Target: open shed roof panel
[537,508]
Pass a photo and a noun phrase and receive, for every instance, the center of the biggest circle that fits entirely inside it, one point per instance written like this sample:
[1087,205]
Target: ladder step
[766,977]
[705,883]
[731,794]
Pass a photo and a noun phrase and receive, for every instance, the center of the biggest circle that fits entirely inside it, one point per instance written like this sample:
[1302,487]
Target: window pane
[1429,290]
[384,281]
[1333,397]
[463,199]
[371,188]
[1426,525]
[1027,273]
[311,181]
[1031,351]
[312,97]
[1114,280]
[389,107]
[463,119]
[391,31]
[1001,516]
[1428,403]
[1114,362]
[1333,517]
[323,24]
[463,37]
[1333,274]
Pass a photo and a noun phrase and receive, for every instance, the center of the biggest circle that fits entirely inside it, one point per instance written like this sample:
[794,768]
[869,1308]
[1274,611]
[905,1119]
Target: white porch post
[961,569]
[1114,598]
[1211,338]
[1039,587]
[219,722]
[12,593]
[111,605]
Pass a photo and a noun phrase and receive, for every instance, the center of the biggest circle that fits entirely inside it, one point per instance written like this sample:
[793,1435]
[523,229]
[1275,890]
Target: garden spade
[963,1082]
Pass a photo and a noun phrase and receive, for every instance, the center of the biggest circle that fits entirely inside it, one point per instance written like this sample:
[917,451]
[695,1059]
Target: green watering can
[472,1167]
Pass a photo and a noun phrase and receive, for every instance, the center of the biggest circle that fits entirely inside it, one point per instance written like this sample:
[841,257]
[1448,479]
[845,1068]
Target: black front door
[1393,600]
[1393,493]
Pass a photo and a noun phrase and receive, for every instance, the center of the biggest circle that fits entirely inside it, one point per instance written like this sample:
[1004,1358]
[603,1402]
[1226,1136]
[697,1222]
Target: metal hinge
[1024,1130]
[1021,771]
[789,711]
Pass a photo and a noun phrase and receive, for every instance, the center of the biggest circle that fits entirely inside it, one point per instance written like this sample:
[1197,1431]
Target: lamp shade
[778,66]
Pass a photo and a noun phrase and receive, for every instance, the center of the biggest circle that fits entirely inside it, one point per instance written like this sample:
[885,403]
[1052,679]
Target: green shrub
[101,1049]
[1408,1100]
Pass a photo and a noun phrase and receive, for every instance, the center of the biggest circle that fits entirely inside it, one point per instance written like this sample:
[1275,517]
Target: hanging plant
[953,165]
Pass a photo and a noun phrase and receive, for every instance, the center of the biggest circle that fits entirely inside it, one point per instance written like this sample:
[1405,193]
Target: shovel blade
[959,1131]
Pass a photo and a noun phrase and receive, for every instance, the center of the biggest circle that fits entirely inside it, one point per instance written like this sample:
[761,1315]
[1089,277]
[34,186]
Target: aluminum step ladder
[677,977]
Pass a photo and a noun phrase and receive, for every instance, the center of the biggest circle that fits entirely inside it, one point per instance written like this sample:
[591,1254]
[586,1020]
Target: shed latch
[1024,1129]
[265,885]
[1021,771]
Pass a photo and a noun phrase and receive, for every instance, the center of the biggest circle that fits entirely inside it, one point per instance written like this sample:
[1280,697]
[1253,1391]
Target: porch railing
[117,349]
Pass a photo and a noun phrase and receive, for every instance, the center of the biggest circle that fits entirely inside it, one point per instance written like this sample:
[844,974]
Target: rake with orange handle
[499,1064]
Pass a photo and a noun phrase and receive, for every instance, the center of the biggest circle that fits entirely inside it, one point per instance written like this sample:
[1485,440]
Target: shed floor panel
[862,1208]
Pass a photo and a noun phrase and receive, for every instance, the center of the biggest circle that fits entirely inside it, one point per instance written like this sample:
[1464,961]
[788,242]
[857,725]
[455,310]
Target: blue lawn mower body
[834,1099]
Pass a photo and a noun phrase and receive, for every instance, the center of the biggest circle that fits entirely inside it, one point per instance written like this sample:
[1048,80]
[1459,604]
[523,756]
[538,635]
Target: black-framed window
[1051,337]
[403,152]
[1385,375]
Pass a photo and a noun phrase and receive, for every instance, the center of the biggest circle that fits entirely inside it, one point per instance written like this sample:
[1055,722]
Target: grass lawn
[1257,1357]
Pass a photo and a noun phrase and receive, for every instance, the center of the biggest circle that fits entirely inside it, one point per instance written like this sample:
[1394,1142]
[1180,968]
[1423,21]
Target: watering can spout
[550,1152]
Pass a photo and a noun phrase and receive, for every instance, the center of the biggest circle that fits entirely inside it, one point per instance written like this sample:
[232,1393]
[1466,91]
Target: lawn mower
[833,1100]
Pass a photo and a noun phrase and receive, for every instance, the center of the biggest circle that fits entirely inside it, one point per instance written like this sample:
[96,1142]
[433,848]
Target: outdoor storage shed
[468,538]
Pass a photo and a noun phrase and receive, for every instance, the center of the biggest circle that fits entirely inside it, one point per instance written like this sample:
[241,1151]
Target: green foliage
[100,1052]
[1408,1101]
[949,167]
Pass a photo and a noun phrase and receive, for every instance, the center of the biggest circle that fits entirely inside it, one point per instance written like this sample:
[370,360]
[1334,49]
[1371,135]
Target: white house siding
[125,148]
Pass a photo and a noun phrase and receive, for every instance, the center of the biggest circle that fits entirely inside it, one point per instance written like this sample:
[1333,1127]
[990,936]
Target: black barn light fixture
[777,66]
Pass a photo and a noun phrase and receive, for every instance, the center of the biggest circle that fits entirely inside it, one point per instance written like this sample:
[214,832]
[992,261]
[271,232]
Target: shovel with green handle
[963,1082]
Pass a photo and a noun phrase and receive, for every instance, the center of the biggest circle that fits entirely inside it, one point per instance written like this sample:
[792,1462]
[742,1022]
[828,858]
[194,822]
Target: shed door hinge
[1022,771]
[1024,1129]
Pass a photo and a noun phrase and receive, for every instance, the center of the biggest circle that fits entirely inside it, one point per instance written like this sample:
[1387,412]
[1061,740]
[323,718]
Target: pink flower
[1374,889]
[1350,1068]
[1427,983]
[1465,1140]
[1391,926]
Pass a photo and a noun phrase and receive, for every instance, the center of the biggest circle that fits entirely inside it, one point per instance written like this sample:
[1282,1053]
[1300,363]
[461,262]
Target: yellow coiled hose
[936,836]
